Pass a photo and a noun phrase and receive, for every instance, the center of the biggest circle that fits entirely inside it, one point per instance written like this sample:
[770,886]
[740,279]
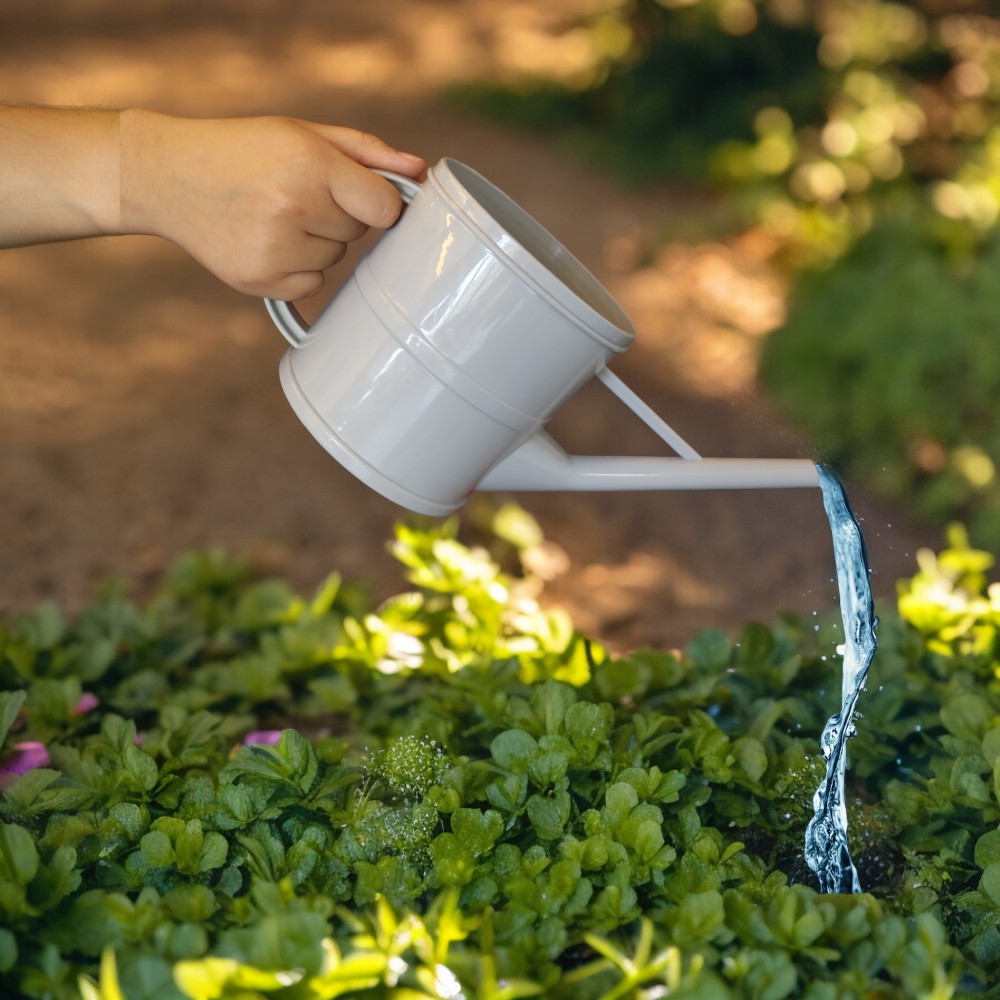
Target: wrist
[142,139]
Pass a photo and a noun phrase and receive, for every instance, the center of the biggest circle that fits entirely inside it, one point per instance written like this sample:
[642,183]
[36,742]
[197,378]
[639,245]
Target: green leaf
[157,849]
[709,650]
[699,917]
[187,846]
[508,793]
[549,815]
[988,848]
[453,862]
[619,800]
[191,903]
[141,769]
[18,855]
[291,761]
[647,839]
[477,830]
[588,727]
[206,978]
[991,746]
[515,525]
[549,765]
[130,817]
[990,882]
[551,701]
[968,716]
[751,756]
[513,750]
[8,950]
[10,705]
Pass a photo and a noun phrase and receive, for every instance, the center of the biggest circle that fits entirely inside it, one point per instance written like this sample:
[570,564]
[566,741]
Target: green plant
[815,113]
[251,794]
[665,85]
[889,362]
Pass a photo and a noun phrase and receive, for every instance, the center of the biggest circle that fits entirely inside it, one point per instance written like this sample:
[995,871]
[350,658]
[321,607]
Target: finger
[316,254]
[301,274]
[292,287]
[335,224]
[369,150]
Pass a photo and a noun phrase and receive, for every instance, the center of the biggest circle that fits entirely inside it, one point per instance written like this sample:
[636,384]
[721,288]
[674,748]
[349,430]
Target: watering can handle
[286,317]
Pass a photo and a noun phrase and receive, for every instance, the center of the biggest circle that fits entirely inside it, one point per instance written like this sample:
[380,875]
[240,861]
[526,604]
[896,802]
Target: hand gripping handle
[286,317]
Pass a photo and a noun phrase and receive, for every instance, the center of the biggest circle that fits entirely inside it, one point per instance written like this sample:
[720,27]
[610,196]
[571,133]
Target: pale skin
[267,204]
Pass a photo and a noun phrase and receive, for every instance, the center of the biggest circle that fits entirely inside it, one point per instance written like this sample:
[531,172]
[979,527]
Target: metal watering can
[434,370]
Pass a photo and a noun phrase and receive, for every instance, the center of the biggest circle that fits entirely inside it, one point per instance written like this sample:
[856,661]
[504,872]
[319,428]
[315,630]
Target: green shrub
[674,86]
[252,794]
[890,362]
[814,113]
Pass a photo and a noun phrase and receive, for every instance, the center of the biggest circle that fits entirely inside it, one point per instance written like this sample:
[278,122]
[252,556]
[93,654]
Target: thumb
[359,191]
[363,194]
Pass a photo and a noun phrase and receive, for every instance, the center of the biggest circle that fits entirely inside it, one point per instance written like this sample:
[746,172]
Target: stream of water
[827,853]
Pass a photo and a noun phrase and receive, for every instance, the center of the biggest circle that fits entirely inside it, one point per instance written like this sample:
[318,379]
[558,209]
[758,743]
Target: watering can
[434,370]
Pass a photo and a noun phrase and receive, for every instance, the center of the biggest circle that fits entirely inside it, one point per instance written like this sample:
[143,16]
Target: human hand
[265,204]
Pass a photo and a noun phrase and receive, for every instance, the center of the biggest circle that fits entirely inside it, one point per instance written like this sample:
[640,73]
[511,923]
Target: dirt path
[140,413]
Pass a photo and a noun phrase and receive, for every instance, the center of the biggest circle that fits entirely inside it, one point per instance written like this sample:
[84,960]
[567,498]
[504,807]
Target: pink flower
[87,703]
[25,757]
[262,737]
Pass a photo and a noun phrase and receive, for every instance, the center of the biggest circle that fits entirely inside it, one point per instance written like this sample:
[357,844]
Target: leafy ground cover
[235,791]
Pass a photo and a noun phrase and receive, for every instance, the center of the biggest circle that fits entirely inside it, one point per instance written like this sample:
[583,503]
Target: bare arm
[58,174]
[265,204]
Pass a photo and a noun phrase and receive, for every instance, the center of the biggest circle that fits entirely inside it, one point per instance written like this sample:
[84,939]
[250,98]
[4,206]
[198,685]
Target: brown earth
[140,413]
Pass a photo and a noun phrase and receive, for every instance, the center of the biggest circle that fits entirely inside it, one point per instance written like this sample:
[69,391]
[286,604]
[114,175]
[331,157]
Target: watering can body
[436,367]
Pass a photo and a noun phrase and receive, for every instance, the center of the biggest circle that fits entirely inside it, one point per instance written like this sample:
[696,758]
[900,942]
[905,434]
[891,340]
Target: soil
[140,412]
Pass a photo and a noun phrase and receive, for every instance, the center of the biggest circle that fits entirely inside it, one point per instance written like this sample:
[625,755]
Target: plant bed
[234,791]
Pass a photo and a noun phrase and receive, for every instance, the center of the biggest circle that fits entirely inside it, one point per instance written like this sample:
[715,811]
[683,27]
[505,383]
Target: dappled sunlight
[52,369]
[362,65]
[527,50]
[703,310]
[604,596]
[391,49]
[206,74]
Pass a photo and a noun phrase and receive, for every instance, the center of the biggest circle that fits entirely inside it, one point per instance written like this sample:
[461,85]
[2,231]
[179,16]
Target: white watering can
[434,370]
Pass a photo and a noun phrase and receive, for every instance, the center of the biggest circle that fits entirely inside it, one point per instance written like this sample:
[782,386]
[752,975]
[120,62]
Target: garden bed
[235,791]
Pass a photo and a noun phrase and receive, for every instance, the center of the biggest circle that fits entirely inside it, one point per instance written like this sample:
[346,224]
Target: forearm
[266,204]
[59,174]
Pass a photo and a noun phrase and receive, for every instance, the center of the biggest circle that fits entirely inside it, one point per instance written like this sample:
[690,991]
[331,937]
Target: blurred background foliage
[862,137]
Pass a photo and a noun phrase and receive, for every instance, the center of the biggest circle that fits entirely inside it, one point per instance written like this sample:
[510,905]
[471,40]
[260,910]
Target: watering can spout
[539,464]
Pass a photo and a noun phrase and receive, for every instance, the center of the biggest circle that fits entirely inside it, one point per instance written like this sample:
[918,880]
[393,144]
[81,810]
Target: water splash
[827,853]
